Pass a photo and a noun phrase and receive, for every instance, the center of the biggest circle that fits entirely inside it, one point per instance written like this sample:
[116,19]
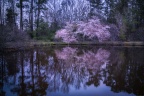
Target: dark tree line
[18,17]
[128,15]
[41,18]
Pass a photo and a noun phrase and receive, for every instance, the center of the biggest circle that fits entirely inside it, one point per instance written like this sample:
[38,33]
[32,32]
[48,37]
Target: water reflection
[63,71]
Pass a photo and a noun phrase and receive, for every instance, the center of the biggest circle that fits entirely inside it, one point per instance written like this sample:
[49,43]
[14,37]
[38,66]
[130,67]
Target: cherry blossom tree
[91,29]
[66,36]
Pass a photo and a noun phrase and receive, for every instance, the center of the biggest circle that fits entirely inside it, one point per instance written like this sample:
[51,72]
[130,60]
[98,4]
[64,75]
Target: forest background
[24,20]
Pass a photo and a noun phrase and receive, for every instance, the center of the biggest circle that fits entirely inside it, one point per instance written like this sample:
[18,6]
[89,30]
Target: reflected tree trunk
[2,75]
[15,77]
[32,72]
[22,75]
[38,62]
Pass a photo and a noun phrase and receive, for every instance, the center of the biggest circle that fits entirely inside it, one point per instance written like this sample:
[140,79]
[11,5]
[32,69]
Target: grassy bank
[42,43]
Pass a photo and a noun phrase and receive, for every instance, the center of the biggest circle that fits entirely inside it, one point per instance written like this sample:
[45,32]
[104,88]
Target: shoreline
[43,43]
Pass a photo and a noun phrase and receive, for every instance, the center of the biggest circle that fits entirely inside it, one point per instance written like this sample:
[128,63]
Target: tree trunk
[13,19]
[38,13]
[31,16]
[13,8]
[21,15]
[0,12]
[3,13]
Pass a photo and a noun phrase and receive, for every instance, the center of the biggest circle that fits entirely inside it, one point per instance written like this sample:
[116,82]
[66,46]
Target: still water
[72,71]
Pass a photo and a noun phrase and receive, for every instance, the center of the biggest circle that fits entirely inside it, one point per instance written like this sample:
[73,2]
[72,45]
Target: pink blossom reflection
[66,53]
[88,58]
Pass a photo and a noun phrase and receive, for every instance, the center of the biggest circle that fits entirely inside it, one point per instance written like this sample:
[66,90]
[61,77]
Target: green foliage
[24,6]
[95,4]
[10,17]
[43,32]
[122,36]
[123,25]
[41,1]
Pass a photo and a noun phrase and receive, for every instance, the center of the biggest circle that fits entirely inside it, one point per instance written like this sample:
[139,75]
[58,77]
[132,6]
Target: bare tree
[31,16]
[62,11]
[21,14]
[0,12]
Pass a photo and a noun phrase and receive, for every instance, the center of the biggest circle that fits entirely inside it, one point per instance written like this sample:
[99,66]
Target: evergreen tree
[40,7]
[95,5]
[10,17]
[21,6]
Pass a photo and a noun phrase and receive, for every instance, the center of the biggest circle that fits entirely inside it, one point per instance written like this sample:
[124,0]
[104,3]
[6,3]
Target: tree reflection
[2,64]
[79,67]
[126,71]
[36,72]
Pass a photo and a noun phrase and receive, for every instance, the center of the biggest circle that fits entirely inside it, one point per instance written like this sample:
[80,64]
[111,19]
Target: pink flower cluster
[92,28]
[66,36]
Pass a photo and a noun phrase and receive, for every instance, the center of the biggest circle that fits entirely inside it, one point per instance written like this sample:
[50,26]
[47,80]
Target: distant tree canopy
[28,16]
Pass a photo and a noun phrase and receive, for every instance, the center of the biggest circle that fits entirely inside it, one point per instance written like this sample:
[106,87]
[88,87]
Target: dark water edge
[72,71]
[43,43]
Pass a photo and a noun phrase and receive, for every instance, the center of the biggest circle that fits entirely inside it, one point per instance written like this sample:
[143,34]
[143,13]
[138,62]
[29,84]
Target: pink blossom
[92,28]
[65,35]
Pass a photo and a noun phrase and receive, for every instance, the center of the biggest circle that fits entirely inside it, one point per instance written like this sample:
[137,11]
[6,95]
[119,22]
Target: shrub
[91,29]
[43,32]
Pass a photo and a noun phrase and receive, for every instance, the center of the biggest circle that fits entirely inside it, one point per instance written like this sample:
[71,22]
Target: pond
[72,71]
